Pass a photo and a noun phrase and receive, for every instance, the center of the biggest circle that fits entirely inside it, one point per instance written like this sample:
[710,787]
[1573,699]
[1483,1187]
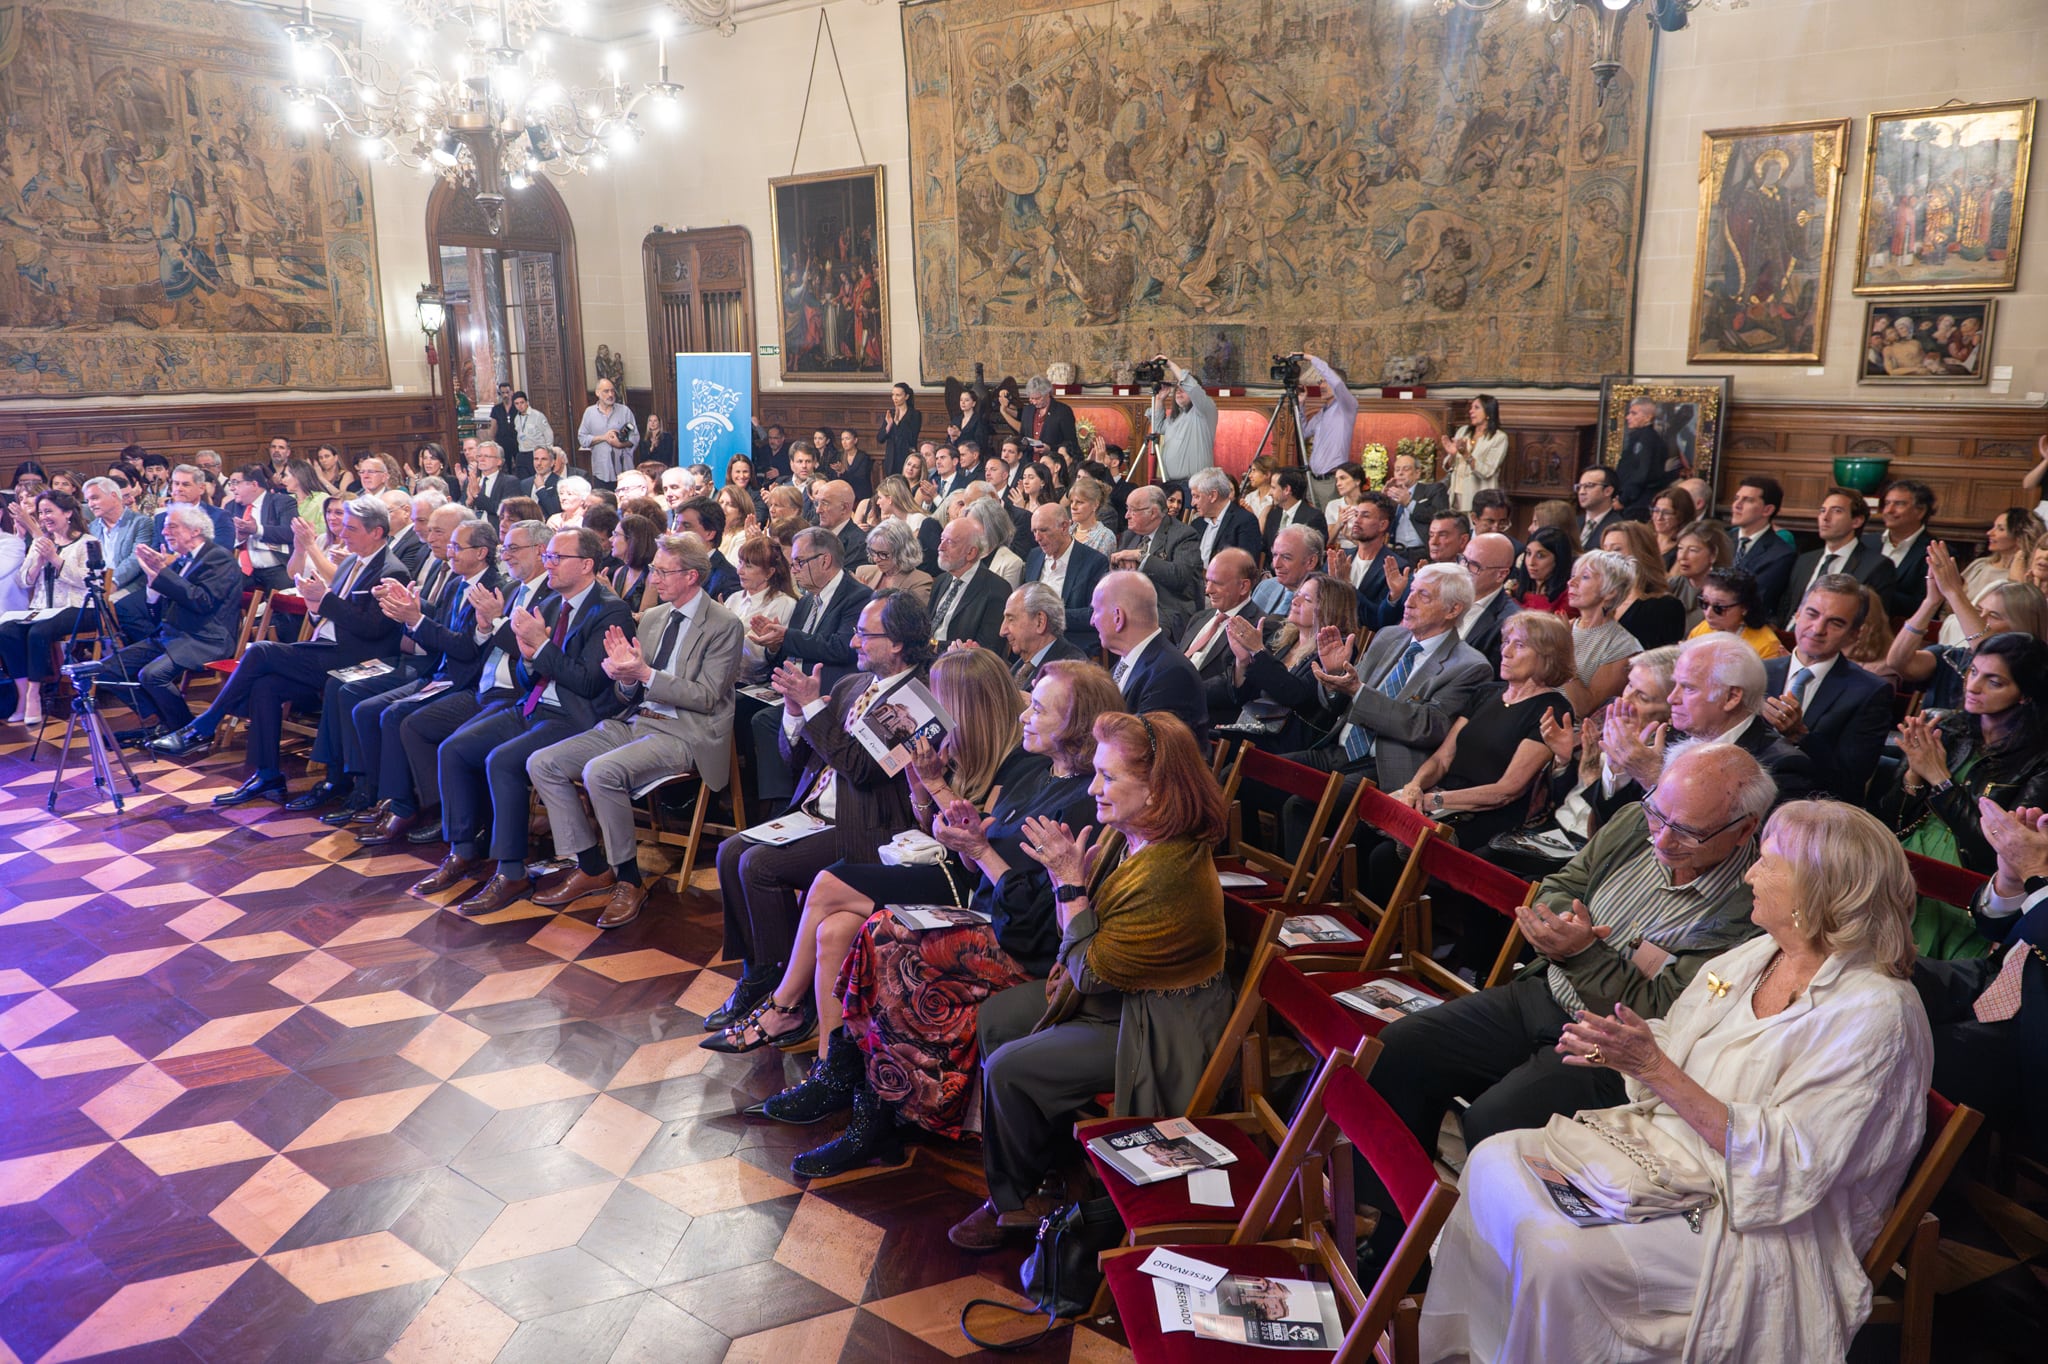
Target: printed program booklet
[1304,929]
[891,725]
[1249,1309]
[1570,1199]
[1166,1149]
[375,667]
[918,918]
[1387,1000]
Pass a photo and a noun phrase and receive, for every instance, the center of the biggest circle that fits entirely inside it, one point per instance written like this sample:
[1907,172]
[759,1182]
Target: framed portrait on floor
[1652,420]
[831,275]
[1764,262]
[1926,342]
[1944,198]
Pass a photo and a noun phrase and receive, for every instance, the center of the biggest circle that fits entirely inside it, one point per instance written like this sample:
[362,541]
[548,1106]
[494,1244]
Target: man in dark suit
[485,790]
[347,628]
[1219,522]
[1048,422]
[835,514]
[1990,1014]
[1759,549]
[819,633]
[1163,550]
[1835,710]
[967,598]
[488,483]
[1227,584]
[194,591]
[482,666]
[1070,568]
[542,488]
[1490,559]
[705,519]
[1291,506]
[407,545]
[1034,628]
[1599,504]
[504,420]
[952,470]
[1415,502]
[188,485]
[263,520]
[1842,550]
[1151,673]
[1906,508]
[1647,466]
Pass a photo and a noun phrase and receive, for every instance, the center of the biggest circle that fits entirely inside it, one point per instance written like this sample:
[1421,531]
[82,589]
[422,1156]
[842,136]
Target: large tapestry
[1095,183]
[162,227]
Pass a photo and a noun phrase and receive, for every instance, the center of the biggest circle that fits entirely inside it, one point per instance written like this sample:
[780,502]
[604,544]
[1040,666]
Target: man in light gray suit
[678,680]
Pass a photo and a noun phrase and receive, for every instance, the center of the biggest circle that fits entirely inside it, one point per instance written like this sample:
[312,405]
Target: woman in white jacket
[1792,1072]
[1474,455]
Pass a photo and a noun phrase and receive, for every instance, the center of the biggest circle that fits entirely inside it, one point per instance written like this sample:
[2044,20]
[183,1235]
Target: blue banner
[714,409]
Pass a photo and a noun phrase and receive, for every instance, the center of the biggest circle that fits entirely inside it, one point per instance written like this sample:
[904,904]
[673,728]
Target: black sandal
[733,1041]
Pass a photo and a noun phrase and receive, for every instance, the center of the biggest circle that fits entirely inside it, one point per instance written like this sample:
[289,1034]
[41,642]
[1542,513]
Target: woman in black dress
[1650,612]
[1277,687]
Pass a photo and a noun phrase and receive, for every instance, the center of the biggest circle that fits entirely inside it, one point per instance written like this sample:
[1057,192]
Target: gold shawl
[1159,920]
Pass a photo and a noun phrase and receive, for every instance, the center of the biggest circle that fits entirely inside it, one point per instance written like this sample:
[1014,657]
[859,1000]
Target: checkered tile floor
[257,1104]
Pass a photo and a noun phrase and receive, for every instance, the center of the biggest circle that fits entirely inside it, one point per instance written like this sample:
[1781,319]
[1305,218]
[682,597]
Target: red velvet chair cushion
[1149,1205]
[1336,982]
[1138,1311]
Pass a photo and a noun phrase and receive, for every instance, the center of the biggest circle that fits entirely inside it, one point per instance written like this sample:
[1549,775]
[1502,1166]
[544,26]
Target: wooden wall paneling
[85,440]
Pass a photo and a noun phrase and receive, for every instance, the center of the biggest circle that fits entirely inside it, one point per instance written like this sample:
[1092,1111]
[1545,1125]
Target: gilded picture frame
[1763,264]
[831,275]
[1942,341]
[1944,199]
[1691,415]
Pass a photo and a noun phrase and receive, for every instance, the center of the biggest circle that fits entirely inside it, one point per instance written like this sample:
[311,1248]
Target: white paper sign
[1164,1264]
[1210,1188]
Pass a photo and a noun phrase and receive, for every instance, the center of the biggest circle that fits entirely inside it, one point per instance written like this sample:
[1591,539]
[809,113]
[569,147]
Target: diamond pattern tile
[264,1105]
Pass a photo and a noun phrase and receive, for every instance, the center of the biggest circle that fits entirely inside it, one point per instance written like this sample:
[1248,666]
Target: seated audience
[1834,710]
[1000,531]
[1449,533]
[1703,546]
[1871,645]
[675,679]
[860,804]
[1290,505]
[1671,511]
[52,577]
[633,545]
[1760,550]
[573,494]
[406,544]
[1087,501]
[1587,791]
[187,485]
[835,502]
[1165,551]
[1601,581]
[1255,490]
[1547,560]
[742,520]
[1351,486]
[488,484]
[1217,521]
[1790,1120]
[1362,555]
[895,558]
[1150,672]
[767,590]
[1069,568]
[1627,923]
[1490,560]
[703,516]
[1936,670]
[1649,613]
[1297,552]
[1034,626]
[1842,550]
[967,599]
[1734,604]
[1281,706]
[1139,995]
[1994,748]
[190,594]
[2009,549]
[1227,585]
[563,690]
[262,519]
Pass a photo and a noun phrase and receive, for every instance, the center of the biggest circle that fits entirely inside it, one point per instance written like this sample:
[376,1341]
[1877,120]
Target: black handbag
[1062,1274]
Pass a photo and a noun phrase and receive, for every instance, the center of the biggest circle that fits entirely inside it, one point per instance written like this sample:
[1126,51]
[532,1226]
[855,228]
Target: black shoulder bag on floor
[1062,1274]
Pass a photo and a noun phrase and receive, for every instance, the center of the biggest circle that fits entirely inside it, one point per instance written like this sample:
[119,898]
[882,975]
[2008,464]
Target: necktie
[944,614]
[2001,998]
[1283,603]
[817,608]
[1801,680]
[1022,672]
[1208,636]
[669,634]
[1357,741]
[555,637]
[1120,672]
[1742,544]
[489,680]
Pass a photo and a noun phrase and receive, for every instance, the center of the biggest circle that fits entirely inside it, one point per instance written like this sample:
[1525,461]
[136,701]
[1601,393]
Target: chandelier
[498,117]
[1608,18]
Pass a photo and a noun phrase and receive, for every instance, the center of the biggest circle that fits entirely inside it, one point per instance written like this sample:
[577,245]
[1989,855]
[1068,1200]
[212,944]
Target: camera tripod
[1288,402]
[101,749]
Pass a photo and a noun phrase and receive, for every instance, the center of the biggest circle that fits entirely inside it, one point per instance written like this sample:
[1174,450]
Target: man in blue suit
[1150,672]
[1759,549]
[1069,568]
[188,485]
[1218,521]
[194,588]
[819,632]
[1835,711]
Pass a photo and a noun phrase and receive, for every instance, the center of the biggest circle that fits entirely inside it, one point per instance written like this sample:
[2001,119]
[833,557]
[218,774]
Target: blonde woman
[742,523]
[1650,613]
[2009,553]
[1601,581]
[894,560]
[1085,501]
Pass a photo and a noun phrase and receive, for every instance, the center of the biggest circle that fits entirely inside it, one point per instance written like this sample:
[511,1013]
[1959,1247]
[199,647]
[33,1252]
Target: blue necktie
[1357,739]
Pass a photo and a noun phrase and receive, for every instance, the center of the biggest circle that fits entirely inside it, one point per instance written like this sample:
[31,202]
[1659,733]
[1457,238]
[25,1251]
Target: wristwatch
[1436,802]
[1068,894]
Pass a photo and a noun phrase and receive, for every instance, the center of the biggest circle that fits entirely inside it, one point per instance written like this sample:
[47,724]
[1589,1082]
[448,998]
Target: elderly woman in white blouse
[1788,1090]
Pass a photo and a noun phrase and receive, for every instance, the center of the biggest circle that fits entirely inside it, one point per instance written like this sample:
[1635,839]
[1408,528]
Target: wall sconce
[433,311]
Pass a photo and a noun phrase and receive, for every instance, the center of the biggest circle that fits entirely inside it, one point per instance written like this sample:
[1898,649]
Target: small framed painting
[1651,426]
[1944,197]
[1919,342]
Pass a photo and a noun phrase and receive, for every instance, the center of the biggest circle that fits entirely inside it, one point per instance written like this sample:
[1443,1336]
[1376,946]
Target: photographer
[1184,424]
[1328,433]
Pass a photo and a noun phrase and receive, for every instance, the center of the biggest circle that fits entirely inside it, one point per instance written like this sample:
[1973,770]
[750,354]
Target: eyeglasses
[1681,836]
[665,572]
[1596,483]
[859,633]
[1473,566]
[551,558]
[806,560]
[1714,608]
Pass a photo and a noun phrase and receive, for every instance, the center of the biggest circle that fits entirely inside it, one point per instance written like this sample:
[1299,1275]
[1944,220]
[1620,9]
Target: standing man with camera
[1327,435]
[1184,424]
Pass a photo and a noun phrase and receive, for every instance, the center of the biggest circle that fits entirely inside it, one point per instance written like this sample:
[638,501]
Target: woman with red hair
[1138,995]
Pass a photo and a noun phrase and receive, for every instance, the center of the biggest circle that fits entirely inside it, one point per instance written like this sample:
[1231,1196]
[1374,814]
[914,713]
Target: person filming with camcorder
[1183,419]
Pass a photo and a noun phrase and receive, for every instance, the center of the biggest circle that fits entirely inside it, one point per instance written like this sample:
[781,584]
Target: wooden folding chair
[700,806]
[1375,932]
[1312,868]
[1350,1107]
[1903,1261]
[255,625]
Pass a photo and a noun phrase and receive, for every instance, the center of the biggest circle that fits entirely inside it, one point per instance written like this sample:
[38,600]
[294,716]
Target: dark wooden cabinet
[700,297]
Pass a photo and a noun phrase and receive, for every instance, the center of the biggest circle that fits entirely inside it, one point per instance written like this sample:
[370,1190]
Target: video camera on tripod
[1148,373]
[1286,370]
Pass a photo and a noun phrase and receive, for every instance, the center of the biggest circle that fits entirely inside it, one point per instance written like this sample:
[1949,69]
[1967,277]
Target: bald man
[836,501]
[1150,671]
[1227,584]
[1490,559]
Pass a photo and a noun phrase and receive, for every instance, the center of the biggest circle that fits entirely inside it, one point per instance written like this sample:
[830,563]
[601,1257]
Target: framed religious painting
[1764,265]
[1664,424]
[831,275]
[1946,341]
[1944,198]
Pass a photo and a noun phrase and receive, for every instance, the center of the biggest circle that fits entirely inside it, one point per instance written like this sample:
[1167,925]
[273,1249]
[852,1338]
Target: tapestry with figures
[164,228]
[1093,183]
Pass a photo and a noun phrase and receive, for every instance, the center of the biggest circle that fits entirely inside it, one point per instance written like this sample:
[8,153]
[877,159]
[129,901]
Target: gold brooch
[1716,985]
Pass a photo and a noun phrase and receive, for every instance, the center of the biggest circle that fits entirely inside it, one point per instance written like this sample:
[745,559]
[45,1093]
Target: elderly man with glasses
[1490,559]
[1627,923]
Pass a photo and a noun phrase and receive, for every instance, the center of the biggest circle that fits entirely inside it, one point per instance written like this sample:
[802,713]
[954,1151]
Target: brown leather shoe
[577,885]
[624,906]
[453,871]
[1036,1209]
[389,829]
[501,890]
[978,1230]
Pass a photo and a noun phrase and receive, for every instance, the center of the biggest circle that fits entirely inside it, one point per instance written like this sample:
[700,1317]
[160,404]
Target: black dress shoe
[257,787]
[346,815]
[136,738]
[321,793]
[187,740]
[754,987]
[430,832]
